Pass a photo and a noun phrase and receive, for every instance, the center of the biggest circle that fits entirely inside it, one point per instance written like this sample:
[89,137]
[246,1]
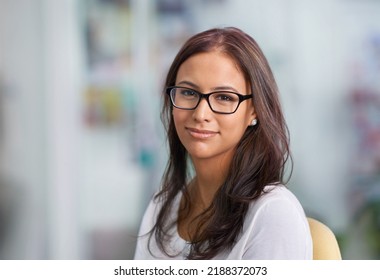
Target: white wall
[23,157]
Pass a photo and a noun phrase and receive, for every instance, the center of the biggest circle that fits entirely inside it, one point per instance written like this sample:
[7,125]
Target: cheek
[179,118]
[234,130]
[237,131]
[239,123]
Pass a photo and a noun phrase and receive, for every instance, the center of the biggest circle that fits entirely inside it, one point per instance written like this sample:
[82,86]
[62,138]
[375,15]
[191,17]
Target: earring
[254,122]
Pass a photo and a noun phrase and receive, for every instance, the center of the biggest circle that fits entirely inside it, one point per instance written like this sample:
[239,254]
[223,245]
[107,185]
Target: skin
[210,138]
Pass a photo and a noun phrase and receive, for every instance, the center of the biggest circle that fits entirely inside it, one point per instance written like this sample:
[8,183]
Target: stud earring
[254,122]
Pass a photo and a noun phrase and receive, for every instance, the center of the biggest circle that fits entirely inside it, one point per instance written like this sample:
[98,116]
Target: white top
[275,227]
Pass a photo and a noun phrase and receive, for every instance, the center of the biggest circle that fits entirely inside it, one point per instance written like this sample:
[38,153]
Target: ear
[252,117]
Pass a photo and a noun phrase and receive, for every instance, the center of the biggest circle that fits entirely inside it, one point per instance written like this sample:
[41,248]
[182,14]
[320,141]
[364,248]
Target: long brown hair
[259,159]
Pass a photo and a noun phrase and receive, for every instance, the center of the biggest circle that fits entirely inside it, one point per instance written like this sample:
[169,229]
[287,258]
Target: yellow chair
[325,245]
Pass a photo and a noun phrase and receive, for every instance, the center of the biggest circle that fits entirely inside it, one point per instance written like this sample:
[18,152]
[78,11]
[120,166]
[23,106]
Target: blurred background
[82,147]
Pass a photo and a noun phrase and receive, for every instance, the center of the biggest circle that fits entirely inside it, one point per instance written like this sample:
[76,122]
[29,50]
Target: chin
[200,154]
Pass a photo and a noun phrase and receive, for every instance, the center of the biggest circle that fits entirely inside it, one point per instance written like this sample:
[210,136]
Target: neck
[210,175]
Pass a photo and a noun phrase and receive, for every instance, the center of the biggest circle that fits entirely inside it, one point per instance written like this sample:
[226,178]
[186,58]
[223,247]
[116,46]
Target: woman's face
[206,134]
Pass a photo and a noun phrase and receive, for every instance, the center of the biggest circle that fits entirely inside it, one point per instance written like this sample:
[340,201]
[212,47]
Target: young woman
[223,194]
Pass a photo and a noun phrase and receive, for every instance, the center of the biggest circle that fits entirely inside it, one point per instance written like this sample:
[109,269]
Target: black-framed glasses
[221,102]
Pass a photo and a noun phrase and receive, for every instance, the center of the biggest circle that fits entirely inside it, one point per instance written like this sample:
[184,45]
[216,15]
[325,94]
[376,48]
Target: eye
[184,92]
[225,97]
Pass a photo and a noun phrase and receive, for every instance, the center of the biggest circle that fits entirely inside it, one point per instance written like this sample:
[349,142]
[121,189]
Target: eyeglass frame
[206,96]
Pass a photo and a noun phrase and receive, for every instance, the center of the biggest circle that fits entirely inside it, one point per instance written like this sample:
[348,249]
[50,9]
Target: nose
[203,111]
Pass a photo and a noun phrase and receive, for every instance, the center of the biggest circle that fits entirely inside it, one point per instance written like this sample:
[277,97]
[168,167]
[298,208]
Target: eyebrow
[188,83]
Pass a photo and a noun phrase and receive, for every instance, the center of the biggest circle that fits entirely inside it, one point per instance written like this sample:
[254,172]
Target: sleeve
[279,230]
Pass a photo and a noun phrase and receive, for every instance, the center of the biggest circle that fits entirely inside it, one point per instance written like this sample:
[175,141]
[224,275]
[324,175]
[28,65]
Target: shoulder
[276,227]
[152,211]
[276,198]
[146,247]
[277,207]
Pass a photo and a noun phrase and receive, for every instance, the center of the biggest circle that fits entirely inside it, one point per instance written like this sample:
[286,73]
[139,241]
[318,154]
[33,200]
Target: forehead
[211,69]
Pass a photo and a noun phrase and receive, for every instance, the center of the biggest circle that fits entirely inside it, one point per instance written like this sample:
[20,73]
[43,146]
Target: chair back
[325,245]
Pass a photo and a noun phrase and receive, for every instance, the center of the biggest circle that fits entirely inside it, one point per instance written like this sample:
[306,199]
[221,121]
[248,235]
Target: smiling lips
[201,134]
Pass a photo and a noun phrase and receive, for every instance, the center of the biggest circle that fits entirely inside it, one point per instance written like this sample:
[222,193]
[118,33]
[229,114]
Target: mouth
[201,134]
